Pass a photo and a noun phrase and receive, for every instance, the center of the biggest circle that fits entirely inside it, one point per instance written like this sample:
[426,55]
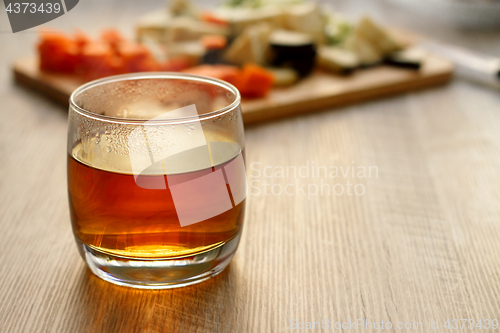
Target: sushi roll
[293,49]
[411,58]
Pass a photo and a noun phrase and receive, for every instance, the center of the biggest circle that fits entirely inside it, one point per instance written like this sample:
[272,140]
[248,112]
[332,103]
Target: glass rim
[155,75]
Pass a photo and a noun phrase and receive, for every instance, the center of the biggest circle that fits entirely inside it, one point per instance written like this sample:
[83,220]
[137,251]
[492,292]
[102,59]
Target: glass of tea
[156,177]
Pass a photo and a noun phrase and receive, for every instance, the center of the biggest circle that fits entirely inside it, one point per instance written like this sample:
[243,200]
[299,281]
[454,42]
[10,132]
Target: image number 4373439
[26,15]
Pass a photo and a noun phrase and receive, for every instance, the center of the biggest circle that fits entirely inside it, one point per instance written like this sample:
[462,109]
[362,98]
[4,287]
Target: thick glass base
[159,273]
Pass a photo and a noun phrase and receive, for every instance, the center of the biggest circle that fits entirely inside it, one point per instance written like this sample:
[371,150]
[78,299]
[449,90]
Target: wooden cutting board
[318,91]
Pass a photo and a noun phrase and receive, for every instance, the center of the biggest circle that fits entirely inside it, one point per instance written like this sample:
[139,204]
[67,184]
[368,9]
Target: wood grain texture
[421,243]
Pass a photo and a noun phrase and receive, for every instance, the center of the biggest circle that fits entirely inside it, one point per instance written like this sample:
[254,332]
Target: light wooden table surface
[422,243]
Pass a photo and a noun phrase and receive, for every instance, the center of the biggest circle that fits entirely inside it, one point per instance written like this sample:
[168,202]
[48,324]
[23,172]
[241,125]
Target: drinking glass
[156,177]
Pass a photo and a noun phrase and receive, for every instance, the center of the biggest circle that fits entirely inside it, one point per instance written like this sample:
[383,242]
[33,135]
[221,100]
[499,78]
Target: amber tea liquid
[112,214]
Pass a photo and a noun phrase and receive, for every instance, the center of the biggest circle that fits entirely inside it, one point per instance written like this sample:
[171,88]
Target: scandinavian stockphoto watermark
[154,149]
[365,325]
[310,179]
[358,324]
